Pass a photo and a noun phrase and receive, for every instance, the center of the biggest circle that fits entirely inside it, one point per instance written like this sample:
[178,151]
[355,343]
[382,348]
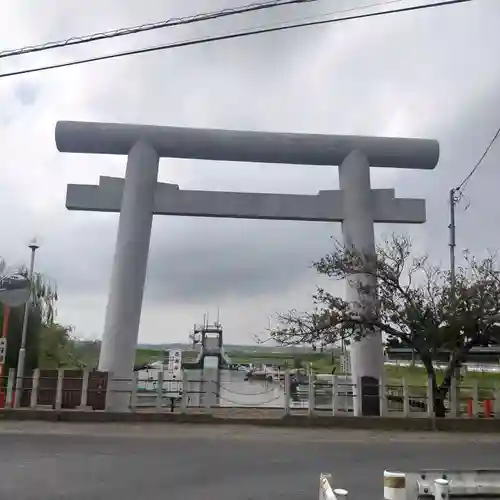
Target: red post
[6,313]
[487,408]
[470,409]
[5,325]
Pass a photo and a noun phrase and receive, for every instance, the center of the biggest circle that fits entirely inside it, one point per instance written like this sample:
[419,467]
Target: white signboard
[172,375]
[3,349]
[174,363]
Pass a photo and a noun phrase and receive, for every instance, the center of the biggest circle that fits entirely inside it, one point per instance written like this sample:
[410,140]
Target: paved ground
[180,462]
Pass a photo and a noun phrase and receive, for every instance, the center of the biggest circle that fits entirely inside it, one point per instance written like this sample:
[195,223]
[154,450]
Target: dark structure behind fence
[71,389]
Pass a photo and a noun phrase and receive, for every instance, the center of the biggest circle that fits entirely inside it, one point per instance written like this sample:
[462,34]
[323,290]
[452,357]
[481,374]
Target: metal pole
[455,393]
[22,349]
[5,326]
[452,243]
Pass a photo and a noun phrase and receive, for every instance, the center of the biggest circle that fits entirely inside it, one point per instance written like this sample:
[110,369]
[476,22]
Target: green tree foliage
[59,349]
[14,331]
[49,345]
[55,347]
[86,352]
[415,306]
[41,313]
[44,296]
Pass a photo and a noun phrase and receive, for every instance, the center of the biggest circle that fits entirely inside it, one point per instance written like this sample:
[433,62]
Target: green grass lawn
[321,362]
[143,356]
[416,379]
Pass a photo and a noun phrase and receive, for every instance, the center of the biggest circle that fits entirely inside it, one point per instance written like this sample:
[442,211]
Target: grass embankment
[415,377]
[321,362]
[143,356]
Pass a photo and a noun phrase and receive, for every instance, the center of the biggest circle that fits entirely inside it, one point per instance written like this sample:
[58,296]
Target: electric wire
[461,187]
[457,195]
[229,36]
[175,21]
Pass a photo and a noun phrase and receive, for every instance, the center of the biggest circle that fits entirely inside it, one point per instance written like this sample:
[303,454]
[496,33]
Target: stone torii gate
[139,196]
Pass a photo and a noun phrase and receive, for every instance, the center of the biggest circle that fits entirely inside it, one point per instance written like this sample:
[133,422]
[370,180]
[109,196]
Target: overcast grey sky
[433,74]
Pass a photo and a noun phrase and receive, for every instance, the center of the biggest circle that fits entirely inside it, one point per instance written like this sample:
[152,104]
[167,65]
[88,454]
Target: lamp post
[22,348]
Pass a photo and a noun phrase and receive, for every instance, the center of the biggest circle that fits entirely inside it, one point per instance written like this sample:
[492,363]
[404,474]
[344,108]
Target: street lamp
[33,245]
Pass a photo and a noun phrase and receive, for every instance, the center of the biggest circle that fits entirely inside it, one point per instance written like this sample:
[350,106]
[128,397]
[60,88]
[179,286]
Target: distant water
[237,392]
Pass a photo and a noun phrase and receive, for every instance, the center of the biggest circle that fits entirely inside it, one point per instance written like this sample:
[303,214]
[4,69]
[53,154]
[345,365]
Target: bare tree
[415,305]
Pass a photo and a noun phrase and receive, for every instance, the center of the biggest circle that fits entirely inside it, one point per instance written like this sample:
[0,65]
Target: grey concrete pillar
[128,275]
[366,355]
[211,381]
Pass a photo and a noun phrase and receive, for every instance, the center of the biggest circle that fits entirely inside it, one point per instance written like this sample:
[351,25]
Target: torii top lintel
[245,146]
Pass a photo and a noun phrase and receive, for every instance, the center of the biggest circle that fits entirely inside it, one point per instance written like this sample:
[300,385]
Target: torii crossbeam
[139,196]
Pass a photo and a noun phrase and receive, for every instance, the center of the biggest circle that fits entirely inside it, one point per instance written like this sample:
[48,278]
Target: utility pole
[452,244]
[22,349]
[455,390]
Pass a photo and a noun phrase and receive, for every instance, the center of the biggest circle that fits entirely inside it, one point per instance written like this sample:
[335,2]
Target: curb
[374,423]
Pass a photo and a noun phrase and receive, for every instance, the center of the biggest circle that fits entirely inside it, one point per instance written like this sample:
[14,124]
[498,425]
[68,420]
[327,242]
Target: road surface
[180,462]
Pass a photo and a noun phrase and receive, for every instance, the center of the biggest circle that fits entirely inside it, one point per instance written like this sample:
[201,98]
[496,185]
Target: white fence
[429,484]
[471,367]
[334,397]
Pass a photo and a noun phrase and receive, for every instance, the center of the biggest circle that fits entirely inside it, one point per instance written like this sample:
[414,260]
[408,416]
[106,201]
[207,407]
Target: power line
[175,21]
[172,22]
[230,36]
[463,184]
[456,195]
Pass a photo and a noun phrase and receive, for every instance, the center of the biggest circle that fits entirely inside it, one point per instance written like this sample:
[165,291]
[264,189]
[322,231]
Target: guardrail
[442,484]
[470,367]
[437,484]
[74,389]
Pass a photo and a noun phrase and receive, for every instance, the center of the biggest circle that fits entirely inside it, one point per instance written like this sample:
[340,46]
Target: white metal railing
[441,484]
[431,484]
[471,367]
[337,396]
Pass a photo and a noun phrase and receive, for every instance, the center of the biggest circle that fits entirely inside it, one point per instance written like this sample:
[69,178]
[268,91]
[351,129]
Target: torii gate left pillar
[139,197]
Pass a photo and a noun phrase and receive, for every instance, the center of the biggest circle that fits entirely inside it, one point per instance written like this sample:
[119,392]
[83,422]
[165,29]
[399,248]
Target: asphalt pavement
[184,462]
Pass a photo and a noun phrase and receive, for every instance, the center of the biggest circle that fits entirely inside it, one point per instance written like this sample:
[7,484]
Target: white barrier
[326,492]
[436,484]
[440,484]
[394,485]
[441,489]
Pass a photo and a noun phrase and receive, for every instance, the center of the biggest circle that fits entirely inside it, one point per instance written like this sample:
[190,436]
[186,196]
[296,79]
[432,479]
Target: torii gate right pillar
[367,359]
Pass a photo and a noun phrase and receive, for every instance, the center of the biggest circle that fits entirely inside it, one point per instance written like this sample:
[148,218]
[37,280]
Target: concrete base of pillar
[118,407]
[84,408]
[367,368]
[118,395]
